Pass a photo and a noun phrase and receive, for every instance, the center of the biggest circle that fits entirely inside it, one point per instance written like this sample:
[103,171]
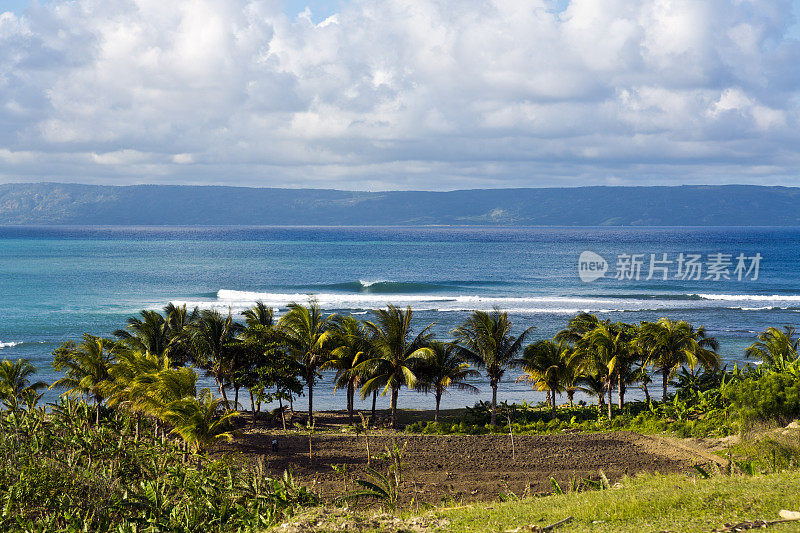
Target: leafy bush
[771,396]
[61,474]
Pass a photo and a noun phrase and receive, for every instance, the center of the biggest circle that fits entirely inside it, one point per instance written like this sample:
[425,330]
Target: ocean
[57,283]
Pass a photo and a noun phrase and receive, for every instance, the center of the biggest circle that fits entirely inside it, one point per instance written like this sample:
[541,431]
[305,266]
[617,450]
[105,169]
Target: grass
[677,503]
[644,503]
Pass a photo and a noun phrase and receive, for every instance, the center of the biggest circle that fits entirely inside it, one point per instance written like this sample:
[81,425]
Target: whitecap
[752,297]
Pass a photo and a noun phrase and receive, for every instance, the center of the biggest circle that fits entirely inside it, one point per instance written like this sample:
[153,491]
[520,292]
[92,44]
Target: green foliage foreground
[62,473]
[644,503]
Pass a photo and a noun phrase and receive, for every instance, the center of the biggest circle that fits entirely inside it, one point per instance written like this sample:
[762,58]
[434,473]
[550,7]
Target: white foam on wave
[366,283]
[9,344]
[237,301]
[752,297]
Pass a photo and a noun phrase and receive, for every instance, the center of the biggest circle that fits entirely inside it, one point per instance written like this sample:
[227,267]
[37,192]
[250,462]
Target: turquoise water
[57,283]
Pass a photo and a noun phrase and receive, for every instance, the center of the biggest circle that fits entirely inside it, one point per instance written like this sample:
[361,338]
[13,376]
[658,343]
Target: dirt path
[470,467]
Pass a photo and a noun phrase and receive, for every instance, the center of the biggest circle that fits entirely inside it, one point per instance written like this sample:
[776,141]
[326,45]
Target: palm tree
[154,333]
[603,350]
[211,333]
[150,333]
[445,369]
[15,382]
[397,354]
[179,321]
[578,326]
[594,386]
[259,315]
[147,384]
[349,338]
[545,364]
[671,344]
[628,355]
[85,367]
[485,340]
[196,421]
[572,373]
[305,331]
[774,347]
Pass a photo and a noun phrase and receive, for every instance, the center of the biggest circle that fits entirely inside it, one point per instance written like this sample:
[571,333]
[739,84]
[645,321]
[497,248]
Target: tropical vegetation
[132,442]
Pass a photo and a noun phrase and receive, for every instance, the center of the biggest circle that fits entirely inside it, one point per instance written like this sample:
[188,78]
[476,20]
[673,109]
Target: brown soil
[464,467]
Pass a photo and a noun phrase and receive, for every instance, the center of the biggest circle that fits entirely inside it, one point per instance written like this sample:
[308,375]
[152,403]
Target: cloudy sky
[400,94]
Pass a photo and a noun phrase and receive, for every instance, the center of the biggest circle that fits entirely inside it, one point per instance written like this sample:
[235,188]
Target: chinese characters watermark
[683,266]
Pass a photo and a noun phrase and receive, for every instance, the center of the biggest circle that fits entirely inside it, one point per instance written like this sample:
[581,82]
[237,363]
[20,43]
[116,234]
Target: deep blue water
[57,283]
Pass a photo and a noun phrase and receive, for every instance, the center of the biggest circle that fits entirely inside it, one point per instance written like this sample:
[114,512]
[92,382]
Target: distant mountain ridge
[688,205]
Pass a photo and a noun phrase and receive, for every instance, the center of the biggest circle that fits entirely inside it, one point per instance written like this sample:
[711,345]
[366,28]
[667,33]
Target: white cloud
[400,93]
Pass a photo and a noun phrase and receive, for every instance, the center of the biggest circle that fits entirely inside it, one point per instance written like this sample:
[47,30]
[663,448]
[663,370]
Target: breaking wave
[366,295]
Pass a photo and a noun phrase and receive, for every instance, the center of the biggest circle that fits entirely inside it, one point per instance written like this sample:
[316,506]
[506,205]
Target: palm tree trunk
[374,400]
[310,402]
[394,407]
[571,396]
[236,397]
[610,401]
[253,407]
[646,392]
[97,408]
[664,381]
[438,401]
[350,401]
[493,419]
[553,406]
[283,416]
[621,395]
[222,392]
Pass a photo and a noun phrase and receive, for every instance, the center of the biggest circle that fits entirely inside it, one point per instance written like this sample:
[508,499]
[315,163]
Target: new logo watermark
[716,266]
[591,266]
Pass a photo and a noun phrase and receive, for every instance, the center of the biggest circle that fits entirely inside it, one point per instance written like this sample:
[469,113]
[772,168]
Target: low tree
[443,370]
[593,385]
[775,348]
[86,368]
[197,422]
[16,384]
[274,377]
[545,365]
[670,344]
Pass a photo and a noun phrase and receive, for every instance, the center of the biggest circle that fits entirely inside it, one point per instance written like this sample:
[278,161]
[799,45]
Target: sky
[400,94]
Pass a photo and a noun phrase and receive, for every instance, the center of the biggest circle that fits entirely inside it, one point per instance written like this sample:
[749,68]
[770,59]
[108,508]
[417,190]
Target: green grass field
[657,503]
[646,503]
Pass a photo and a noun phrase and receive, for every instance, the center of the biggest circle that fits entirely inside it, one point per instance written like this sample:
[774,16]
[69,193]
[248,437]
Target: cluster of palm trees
[597,356]
[143,369]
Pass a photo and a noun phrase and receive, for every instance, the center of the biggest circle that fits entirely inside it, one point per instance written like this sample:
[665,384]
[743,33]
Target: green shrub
[769,397]
[63,475]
